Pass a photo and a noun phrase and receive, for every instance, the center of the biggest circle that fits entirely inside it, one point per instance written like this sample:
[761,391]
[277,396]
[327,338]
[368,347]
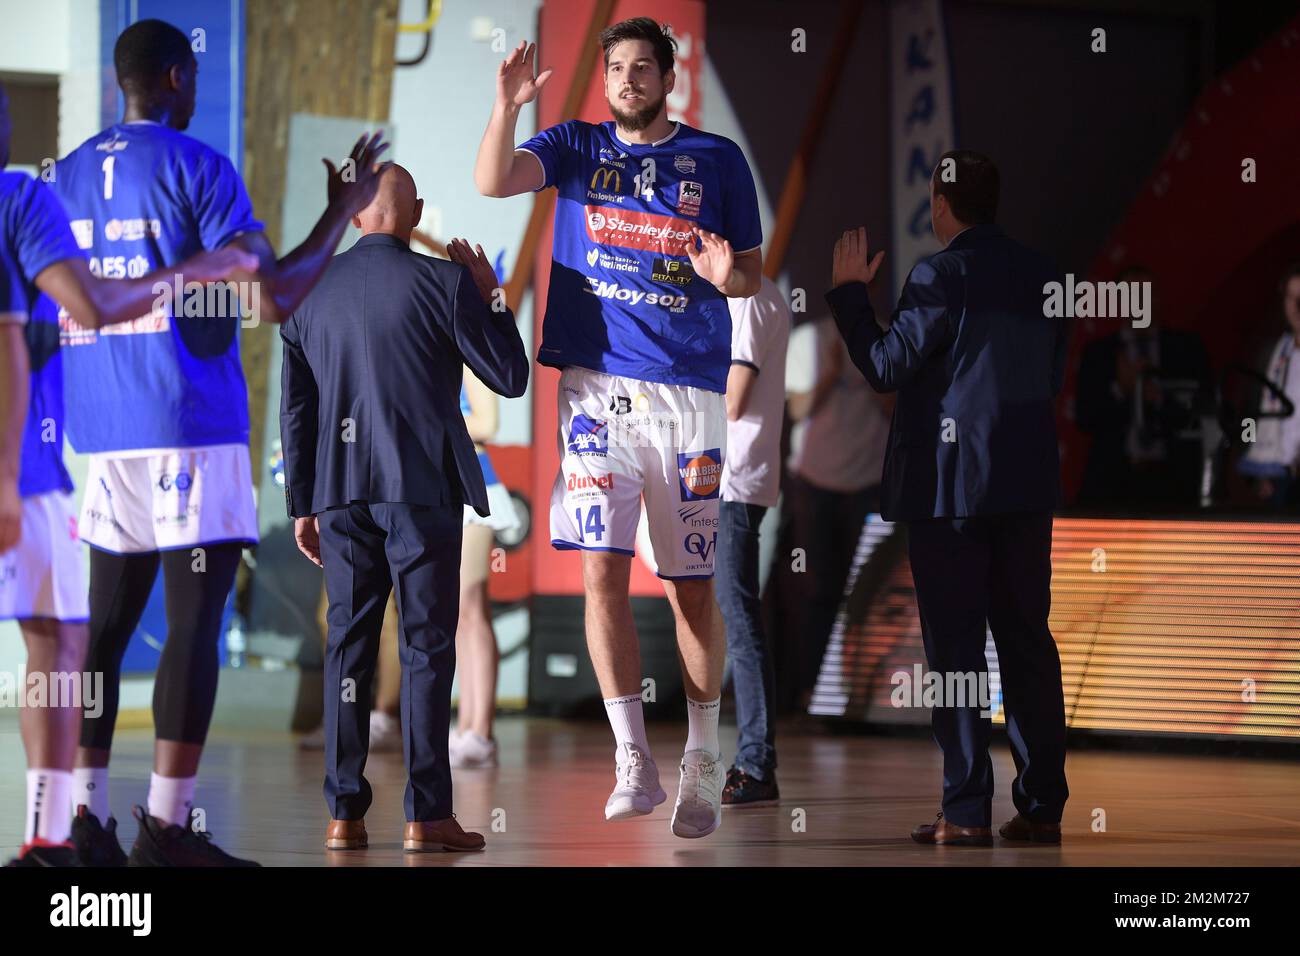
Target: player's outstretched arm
[92,302]
[286,281]
[500,171]
[15,382]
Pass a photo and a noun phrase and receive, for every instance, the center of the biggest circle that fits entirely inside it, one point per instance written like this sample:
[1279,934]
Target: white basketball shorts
[623,440]
[44,575]
[172,498]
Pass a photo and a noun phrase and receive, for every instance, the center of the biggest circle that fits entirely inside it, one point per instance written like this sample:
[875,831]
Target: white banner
[920,124]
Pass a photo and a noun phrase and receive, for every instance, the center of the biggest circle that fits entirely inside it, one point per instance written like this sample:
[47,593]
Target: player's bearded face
[633,105]
[635,88]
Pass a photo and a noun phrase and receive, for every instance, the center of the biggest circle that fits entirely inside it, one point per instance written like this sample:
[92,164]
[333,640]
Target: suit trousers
[370,550]
[993,573]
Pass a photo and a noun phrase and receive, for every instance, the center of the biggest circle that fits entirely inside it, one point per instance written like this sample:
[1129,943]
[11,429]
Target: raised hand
[355,184]
[480,270]
[852,261]
[715,258]
[516,84]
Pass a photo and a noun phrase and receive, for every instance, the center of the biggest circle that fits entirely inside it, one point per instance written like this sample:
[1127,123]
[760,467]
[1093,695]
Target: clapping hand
[356,183]
[484,276]
[516,84]
[715,258]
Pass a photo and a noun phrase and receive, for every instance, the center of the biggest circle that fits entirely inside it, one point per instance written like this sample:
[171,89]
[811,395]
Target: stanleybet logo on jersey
[699,474]
[631,229]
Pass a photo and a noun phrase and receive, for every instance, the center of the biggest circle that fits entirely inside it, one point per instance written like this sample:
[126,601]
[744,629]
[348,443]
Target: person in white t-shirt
[1273,459]
[751,477]
[837,453]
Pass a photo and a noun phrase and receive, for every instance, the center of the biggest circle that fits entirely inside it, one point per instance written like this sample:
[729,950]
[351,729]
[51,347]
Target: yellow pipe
[435,11]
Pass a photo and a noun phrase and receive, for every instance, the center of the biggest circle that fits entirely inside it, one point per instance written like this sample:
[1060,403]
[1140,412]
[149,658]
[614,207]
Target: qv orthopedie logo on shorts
[699,474]
[700,545]
[588,436]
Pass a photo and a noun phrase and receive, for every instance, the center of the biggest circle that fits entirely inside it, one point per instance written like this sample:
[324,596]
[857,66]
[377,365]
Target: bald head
[395,209]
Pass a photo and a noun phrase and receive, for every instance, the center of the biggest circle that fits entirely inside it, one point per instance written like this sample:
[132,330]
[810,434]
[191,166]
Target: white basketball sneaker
[385,733]
[637,791]
[470,751]
[699,797]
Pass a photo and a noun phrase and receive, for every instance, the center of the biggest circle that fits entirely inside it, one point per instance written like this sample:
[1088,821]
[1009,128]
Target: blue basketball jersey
[623,298]
[142,196]
[34,235]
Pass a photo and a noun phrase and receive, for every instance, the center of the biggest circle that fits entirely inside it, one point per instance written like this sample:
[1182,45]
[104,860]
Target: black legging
[185,688]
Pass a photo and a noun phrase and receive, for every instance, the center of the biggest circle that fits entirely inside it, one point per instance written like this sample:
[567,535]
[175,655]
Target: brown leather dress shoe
[943,833]
[434,836]
[1027,831]
[346,835]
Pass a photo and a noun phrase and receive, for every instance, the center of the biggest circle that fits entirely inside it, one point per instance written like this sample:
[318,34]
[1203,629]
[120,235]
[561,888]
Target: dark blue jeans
[735,575]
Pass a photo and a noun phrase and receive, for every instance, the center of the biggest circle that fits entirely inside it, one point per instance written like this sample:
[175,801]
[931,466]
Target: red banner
[563,27]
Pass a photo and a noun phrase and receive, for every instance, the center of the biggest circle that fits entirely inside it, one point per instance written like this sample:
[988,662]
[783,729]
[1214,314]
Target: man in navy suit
[972,468]
[378,467]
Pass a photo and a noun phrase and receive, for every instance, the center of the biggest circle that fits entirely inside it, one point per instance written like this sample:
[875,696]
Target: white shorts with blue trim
[44,575]
[162,499]
[623,440]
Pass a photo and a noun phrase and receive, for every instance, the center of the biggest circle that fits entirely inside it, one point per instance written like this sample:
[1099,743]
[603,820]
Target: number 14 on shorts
[592,526]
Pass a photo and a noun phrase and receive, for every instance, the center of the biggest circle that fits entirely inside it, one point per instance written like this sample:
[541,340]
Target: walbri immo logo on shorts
[700,474]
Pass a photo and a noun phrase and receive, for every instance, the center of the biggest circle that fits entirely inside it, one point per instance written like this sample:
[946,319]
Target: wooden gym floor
[846,801]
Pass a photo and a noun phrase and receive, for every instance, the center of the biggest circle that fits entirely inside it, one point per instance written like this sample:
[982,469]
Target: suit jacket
[370,381]
[977,367]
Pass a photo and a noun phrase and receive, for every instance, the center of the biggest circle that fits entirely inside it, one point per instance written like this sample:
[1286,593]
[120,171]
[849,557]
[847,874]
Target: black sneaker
[744,790]
[96,844]
[58,854]
[166,844]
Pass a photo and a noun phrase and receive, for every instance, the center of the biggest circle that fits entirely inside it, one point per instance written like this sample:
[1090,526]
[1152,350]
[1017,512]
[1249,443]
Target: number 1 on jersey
[108,176]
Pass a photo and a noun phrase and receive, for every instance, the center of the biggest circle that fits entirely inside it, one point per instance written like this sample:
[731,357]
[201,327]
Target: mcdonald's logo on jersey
[607,176]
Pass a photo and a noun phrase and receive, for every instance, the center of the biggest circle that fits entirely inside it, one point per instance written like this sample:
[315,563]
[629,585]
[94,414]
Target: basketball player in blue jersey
[42,576]
[656,224]
[162,409]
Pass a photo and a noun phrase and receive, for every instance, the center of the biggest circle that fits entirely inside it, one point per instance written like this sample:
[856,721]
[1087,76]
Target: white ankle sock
[90,788]
[628,721]
[171,798]
[48,793]
[702,725]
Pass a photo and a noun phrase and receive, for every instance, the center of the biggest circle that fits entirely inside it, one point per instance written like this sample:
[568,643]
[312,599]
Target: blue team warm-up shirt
[142,196]
[623,298]
[34,235]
